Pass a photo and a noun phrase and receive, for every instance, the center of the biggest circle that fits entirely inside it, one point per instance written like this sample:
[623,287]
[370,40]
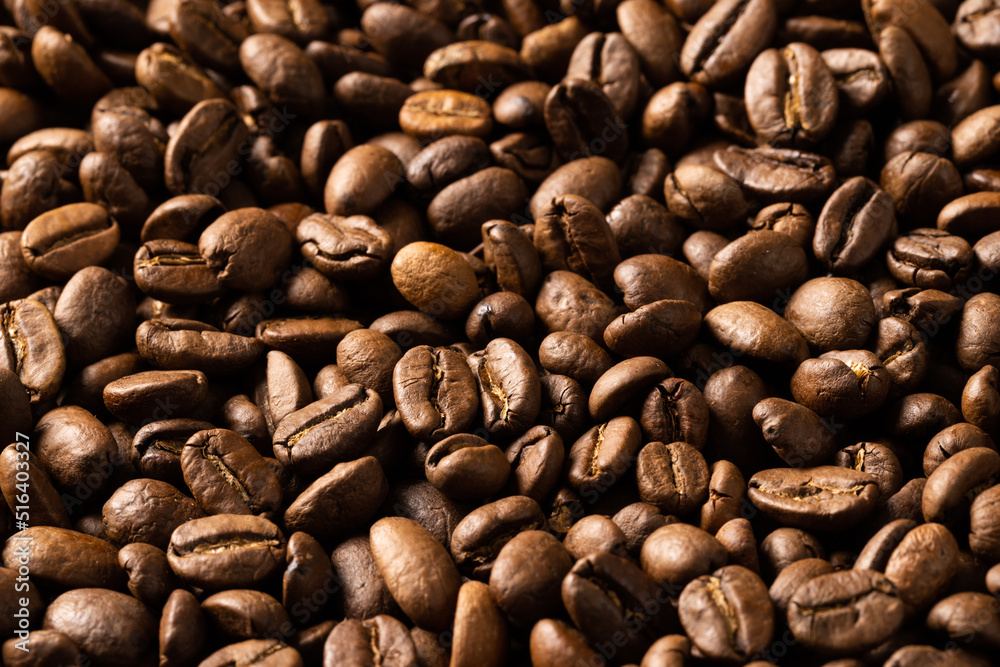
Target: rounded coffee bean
[845,611]
[418,571]
[466,467]
[727,614]
[112,628]
[673,476]
[435,278]
[824,497]
[226,551]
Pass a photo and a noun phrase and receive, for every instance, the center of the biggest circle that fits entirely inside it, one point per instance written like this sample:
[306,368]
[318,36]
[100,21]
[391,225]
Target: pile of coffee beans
[471,333]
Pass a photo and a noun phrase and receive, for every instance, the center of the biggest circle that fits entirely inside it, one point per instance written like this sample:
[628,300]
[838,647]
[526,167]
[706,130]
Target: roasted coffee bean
[480,536]
[980,400]
[466,467]
[603,455]
[675,410]
[572,234]
[662,328]
[597,179]
[527,594]
[404,550]
[66,558]
[623,382]
[832,313]
[63,240]
[328,431]
[842,611]
[841,384]
[756,331]
[131,515]
[509,390]
[583,121]
[736,271]
[673,476]
[226,551]
[930,259]
[363,591]
[32,349]
[226,475]
[247,248]
[854,223]
[137,398]
[704,198]
[603,591]
[797,434]
[778,174]
[877,460]
[553,642]
[727,614]
[726,39]
[444,297]
[655,36]
[953,485]
[353,641]
[824,497]
[114,628]
[791,96]
[341,500]
[181,344]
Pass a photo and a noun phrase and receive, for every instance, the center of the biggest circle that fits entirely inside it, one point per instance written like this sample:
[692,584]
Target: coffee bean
[726,39]
[825,497]
[791,96]
[136,398]
[226,551]
[226,475]
[402,550]
[466,467]
[179,344]
[112,627]
[854,223]
[572,234]
[32,349]
[843,610]
[482,534]
[67,559]
[282,71]
[61,241]
[329,430]
[778,174]
[342,499]
[727,614]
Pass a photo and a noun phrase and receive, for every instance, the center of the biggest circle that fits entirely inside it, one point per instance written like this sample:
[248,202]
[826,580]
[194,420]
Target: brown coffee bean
[328,431]
[437,113]
[778,174]
[226,551]
[603,455]
[226,475]
[798,435]
[281,70]
[32,349]
[572,234]
[61,241]
[757,332]
[673,476]
[727,614]
[791,96]
[179,344]
[736,270]
[466,467]
[66,68]
[845,610]
[137,398]
[855,222]
[418,571]
[824,497]
[188,167]
[342,500]
[435,279]
[131,515]
[112,627]
[66,558]
[480,536]
[725,41]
